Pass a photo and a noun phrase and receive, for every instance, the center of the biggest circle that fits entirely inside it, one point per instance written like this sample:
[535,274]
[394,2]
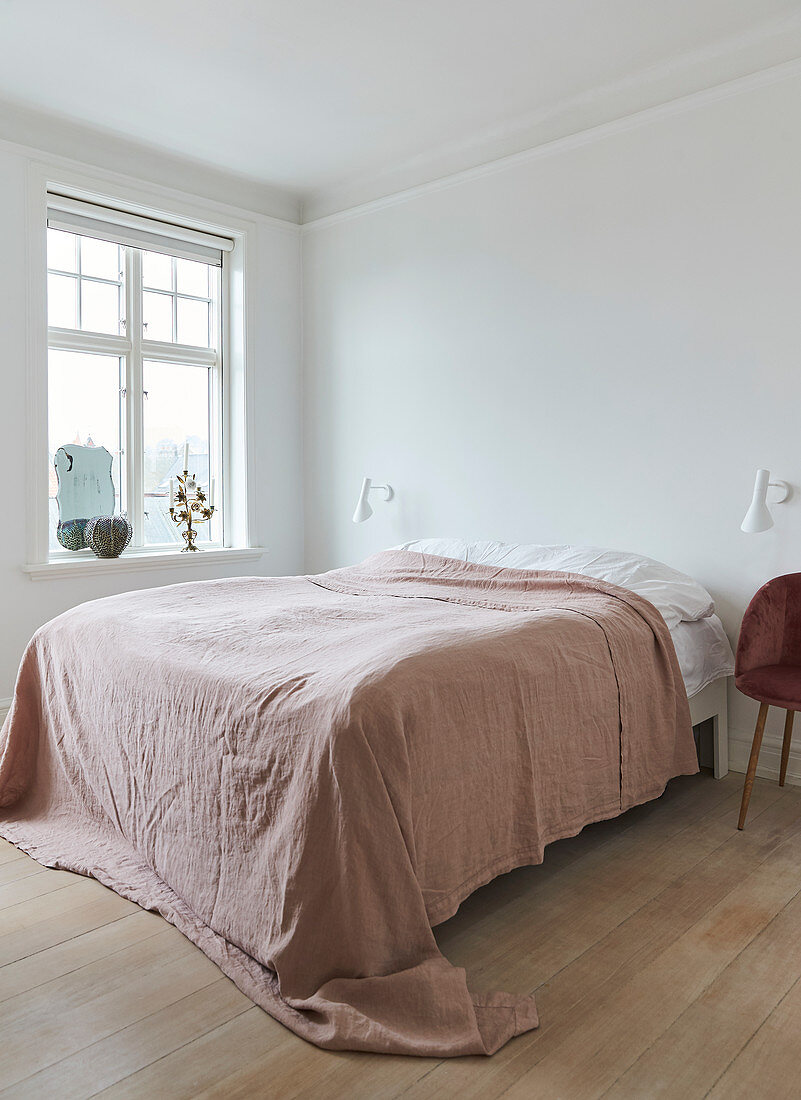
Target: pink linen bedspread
[305,774]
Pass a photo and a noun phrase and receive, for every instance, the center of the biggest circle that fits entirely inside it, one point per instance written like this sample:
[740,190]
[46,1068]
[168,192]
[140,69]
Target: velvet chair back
[771,630]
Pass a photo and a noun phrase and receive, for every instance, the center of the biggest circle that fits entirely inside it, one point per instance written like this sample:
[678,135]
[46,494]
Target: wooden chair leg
[752,762]
[788,737]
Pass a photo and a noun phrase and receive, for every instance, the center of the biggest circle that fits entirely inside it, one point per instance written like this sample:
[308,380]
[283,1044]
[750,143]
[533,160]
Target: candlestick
[172,492]
[192,509]
[186,456]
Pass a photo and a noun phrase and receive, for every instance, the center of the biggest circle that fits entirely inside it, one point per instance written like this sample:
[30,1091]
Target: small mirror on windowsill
[85,489]
[86,502]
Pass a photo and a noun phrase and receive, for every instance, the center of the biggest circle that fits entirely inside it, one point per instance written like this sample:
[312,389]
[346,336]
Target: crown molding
[37,135]
[669,108]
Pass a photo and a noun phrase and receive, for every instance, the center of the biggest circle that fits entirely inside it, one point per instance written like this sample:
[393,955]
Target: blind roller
[120,227]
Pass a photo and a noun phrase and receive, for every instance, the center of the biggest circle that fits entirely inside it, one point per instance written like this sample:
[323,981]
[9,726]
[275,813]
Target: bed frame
[711,702]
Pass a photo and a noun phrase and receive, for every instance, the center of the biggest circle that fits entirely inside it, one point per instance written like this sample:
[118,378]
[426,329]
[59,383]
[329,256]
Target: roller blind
[121,227]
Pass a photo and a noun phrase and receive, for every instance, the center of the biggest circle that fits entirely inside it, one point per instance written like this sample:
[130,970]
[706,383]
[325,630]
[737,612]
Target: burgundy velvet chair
[768,665]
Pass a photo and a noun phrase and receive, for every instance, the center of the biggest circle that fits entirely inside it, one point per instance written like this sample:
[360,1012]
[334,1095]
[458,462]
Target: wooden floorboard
[664,949]
[768,1064]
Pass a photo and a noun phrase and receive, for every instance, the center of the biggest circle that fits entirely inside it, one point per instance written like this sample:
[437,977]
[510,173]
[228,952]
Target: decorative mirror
[85,490]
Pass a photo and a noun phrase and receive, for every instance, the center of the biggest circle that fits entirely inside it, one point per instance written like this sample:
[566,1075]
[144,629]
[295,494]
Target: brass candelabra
[189,507]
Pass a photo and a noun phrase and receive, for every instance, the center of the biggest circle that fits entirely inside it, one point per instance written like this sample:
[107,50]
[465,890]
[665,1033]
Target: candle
[172,493]
[186,455]
[211,493]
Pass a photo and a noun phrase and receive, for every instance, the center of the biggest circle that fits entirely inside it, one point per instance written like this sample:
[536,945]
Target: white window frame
[234,405]
[134,350]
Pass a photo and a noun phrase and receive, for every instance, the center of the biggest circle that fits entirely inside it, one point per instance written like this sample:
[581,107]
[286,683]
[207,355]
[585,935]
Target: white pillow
[676,596]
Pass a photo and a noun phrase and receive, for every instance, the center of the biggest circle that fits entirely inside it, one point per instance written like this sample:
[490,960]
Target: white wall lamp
[758,517]
[363,509]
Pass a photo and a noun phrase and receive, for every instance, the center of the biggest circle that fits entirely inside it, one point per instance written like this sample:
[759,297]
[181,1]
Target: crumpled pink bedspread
[305,774]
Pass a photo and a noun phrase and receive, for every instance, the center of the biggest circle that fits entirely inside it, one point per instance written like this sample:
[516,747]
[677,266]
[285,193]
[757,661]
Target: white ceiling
[343,100]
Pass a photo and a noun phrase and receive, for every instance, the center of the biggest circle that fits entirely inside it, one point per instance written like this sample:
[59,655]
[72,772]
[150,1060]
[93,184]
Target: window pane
[100,307]
[157,316]
[62,301]
[192,278]
[61,253]
[100,259]
[84,408]
[193,322]
[157,270]
[176,410]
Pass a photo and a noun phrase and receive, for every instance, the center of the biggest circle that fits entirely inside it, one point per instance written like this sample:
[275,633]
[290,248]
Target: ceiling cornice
[680,105]
[679,79]
[37,133]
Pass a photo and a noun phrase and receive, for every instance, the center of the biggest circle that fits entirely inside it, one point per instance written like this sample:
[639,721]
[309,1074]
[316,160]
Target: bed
[703,650]
[305,775]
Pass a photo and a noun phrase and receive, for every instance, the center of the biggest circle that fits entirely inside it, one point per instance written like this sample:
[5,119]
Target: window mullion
[174,301]
[218,442]
[135,427]
[78,287]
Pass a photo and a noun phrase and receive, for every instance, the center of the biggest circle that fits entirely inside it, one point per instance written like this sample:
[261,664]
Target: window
[135,359]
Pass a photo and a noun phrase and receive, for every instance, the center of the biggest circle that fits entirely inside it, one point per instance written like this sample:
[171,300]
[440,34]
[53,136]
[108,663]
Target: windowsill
[135,561]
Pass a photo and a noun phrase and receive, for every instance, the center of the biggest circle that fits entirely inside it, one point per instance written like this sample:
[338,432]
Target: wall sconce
[758,517]
[363,509]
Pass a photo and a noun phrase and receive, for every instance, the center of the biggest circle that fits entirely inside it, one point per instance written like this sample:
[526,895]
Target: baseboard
[5,706]
[769,757]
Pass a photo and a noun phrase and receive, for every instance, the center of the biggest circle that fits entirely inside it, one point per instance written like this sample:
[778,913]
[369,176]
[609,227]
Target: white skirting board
[769,755]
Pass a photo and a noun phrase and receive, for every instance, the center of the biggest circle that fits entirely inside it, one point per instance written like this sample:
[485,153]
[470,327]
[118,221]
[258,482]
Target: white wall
[595,346]
[26,604]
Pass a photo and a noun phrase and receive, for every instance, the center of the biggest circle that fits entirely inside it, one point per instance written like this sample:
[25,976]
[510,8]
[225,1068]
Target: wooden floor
[664,949]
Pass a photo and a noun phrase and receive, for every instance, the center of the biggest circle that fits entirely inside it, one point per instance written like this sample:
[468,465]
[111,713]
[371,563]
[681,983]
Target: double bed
[702,648]
[305,775]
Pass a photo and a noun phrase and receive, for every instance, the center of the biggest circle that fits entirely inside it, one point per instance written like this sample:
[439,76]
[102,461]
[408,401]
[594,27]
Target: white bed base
[712,702]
